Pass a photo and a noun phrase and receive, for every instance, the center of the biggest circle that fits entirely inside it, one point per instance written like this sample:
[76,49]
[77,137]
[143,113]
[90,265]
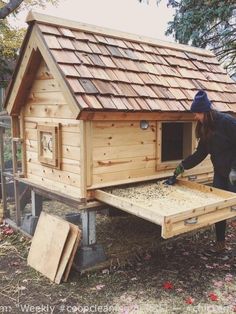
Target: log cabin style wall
[46,106]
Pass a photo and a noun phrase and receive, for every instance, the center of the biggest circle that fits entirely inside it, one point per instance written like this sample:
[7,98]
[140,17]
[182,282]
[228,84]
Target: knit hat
[201,103]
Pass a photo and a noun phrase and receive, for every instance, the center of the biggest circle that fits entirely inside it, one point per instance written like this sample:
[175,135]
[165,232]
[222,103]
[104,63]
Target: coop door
[175,141]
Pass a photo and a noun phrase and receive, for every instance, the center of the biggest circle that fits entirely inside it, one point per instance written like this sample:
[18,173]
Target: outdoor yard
[143,274]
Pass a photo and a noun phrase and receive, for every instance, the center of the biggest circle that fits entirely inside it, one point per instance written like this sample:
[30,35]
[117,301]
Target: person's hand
[178,170]
[172,180]
[232,176]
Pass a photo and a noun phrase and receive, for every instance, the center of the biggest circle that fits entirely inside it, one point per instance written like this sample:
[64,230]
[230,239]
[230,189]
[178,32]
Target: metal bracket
[191,221]
[233,208]
[192,178]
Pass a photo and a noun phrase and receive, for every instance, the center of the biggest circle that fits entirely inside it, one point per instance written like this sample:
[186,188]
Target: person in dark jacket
[216,133]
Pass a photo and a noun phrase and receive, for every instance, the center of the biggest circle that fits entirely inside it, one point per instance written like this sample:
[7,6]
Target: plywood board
[71,259]
[67,251]
[47,244]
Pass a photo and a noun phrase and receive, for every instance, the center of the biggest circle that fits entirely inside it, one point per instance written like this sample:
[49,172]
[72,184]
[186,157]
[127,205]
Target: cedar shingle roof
[123,72]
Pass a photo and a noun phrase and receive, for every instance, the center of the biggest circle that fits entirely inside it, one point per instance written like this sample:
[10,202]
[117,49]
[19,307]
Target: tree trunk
[11,6]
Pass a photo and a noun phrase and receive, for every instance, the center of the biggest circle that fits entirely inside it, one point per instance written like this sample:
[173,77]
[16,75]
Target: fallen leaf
[8,231]
[100,287]
[147,257]
[168,285]
[179,290]
[190,300]
[213,296]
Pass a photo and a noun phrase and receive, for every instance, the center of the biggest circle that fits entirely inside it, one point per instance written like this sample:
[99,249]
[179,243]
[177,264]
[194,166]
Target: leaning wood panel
[67,251]
[50,236]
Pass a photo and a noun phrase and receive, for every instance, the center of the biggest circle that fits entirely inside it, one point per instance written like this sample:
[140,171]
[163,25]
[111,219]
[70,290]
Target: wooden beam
[125,116]
[24,77]
[51,20]
[88,152]
[42,190]
[23,144]
[83,159]
[3,206]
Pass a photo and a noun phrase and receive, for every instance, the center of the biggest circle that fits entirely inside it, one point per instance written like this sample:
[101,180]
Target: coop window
[49,145]
[175,142]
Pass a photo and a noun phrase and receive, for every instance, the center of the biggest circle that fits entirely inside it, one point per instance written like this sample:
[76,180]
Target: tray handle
[191,221]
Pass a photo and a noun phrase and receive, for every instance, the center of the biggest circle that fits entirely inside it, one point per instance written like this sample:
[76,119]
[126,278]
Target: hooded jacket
[221,146]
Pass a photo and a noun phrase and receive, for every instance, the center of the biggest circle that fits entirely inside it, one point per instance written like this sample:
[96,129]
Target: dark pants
[223,183]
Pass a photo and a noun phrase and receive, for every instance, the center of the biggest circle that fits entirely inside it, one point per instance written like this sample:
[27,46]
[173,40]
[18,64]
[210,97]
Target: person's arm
[230,130]
[198,156]
[189,162]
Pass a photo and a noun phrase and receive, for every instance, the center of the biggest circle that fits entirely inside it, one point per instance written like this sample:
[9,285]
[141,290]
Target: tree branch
[11,6]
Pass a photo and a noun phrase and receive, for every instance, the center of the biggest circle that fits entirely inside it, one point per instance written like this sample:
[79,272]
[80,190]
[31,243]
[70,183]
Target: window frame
[169,165]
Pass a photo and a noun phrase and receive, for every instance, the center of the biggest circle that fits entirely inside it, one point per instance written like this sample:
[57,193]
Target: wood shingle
[136,73]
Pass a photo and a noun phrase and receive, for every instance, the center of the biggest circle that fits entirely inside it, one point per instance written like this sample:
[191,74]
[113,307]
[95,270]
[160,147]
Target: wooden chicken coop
[95,108]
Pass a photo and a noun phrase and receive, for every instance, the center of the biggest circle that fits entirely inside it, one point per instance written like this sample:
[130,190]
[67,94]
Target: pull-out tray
[180,208]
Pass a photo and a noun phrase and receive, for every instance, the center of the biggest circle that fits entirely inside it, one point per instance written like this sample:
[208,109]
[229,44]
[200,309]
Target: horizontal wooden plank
[64,189]
[48,109]
[45,86]
[65,127]
[118,139]
[124,116]
[67,138]
[111,127]
[68,165]
[70,152]
[57,176]
[67,122]
[126,151]
[109,166]
[110,178]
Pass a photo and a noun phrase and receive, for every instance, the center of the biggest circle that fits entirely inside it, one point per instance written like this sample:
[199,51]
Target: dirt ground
[143,274]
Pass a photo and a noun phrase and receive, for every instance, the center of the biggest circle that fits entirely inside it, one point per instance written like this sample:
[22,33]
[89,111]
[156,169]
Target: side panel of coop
[121,151]
[46,110]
